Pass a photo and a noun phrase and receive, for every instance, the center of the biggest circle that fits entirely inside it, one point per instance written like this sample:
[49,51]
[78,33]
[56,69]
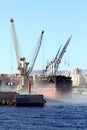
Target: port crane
[24,67]
[53,65]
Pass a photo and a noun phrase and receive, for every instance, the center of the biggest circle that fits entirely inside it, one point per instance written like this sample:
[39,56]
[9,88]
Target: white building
[77,78]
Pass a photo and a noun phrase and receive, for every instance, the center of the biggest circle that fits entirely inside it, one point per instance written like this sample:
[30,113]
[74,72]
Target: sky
[58,18]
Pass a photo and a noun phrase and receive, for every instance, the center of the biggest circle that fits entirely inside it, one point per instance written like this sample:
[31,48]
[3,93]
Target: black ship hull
[62,83]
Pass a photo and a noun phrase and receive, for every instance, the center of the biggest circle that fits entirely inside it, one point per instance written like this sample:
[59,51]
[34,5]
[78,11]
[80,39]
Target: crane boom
[57,55]
[62,53]
[53,65]
[35,54]
[15,42]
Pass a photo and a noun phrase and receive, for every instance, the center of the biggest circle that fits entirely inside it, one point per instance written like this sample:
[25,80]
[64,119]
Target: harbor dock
[13,98]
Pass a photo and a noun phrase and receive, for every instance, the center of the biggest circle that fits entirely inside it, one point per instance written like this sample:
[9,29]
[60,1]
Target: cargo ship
[62,83]
[51,77]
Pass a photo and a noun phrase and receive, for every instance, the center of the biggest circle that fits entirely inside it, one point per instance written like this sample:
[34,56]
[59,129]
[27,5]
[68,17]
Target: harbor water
[68,113]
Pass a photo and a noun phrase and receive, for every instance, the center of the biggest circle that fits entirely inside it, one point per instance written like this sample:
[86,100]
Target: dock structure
[7,98]
[13,98]
[30,100]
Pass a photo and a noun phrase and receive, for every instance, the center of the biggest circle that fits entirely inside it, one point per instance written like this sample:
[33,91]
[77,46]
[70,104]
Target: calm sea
[57,114]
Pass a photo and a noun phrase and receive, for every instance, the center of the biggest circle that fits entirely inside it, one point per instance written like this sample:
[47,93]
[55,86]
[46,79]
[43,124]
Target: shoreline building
[78,77]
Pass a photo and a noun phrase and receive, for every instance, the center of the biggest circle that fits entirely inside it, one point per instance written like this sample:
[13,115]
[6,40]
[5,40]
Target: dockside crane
[24,67]
[53,65]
